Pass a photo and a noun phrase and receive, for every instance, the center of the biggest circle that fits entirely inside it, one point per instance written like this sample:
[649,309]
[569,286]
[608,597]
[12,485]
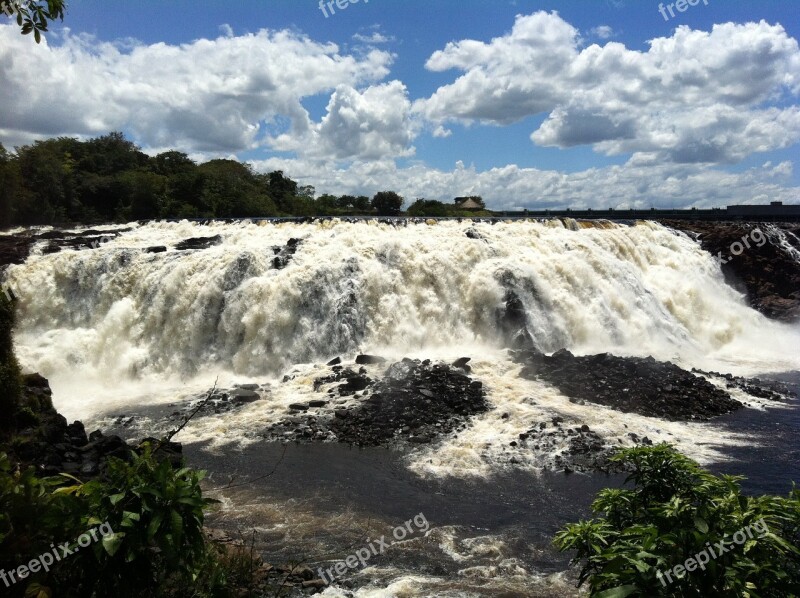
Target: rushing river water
[123,331]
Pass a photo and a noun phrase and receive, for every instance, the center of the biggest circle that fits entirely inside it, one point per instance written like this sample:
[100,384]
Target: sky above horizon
[531,104]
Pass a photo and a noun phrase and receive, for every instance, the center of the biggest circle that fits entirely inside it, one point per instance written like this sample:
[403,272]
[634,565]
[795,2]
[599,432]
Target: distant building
[467,203]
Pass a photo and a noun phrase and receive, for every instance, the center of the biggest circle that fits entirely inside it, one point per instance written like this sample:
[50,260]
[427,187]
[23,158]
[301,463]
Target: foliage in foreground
[675,511]
[33,16]
[157,547]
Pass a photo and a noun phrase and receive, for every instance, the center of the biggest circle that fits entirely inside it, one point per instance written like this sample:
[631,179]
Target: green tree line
[109,179]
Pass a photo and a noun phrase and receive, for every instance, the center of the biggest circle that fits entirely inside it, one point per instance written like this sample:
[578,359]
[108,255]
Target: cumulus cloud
[510,187]
[366,125]
[702,97]
[205,96]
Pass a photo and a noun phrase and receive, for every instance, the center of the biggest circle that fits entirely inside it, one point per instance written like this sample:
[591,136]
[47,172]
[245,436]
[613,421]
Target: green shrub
[31,516]
[156,514]
[675,512]
[152,515]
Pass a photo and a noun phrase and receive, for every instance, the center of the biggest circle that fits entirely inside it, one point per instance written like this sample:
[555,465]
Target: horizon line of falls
[250,307]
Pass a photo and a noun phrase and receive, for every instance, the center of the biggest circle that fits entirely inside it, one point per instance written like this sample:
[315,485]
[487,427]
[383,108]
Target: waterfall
[123,312]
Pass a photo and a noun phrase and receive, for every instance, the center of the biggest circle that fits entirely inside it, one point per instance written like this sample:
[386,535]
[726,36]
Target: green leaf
[155,524]
[618,592]
[177,524]
[701,524]
[112,542]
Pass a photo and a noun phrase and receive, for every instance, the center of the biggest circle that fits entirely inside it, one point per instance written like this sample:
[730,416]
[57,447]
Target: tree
[428,207]
[387,203]
[231,190]
[34,15]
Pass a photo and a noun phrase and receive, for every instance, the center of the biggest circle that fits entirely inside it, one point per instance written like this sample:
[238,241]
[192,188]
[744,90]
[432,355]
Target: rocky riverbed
[412,404]
[760,259]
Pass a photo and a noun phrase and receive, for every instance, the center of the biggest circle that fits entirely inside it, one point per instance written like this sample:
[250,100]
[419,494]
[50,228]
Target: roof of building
[470,204]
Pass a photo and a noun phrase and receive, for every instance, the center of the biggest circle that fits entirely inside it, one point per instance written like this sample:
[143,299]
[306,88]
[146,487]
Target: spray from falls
[120,311]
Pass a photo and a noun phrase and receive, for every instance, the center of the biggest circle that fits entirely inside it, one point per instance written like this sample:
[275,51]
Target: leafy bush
[30,514]
[155,514]
[674,512]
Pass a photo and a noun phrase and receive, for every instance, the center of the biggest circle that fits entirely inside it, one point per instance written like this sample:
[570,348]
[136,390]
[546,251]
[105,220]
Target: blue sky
[534,103]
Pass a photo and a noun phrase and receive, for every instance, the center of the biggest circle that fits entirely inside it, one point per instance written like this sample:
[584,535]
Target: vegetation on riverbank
[109,179]
[682,531]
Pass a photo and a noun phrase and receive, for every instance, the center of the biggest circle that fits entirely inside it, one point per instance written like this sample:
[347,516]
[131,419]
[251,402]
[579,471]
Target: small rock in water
[369,359]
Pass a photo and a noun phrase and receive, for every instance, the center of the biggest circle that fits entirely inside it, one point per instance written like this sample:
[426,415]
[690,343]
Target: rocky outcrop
[756,259]
[283,255]
[585,450]
[415,401]
[629,384]
[216,402]
[14,249]
[47,442]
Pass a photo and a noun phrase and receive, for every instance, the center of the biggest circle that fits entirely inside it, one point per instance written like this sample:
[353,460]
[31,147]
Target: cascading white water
[117,316]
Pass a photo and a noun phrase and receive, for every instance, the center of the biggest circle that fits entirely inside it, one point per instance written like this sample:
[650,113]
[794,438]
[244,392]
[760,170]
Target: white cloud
[704,97]
[375,38]
[368,125]
[204,96]
[639,185]
[602,31]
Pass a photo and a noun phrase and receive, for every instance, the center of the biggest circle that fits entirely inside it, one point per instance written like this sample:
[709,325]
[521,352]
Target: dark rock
[630,385]
[460,363]
[198,243]
[354,384]
[242,395]
[35,381]
[248,386]
[90,468]
[76,434]
[369,359]
[334,361]
[415,401]
[283,255]
[156,249]
[298,407]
